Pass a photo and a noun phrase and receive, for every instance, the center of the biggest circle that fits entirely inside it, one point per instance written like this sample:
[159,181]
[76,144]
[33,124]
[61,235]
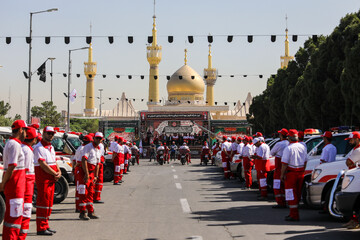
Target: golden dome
[191,83]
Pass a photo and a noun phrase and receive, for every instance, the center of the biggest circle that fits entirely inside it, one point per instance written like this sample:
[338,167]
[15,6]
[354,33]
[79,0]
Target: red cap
[239,138]
[224,137]
[31,133]
[116,137]
[124,140]
[301,134]
[353,135]
[88,138]
[35,125]
[164,144]
[258,134]
[293,132]
[19,124]
[284,132]
[39,137]
[92,134]
[233,138]
[134,143]
[327,134]
[49,129]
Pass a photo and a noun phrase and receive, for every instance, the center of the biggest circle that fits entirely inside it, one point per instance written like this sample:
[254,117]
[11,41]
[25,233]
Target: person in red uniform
[205,151]
[88,175]
[47,172]
[13,181]
[246,154]
[78,156]
[166,153]
[277,152]
[100,180]
[118,161]
[261,156]
[215,149]
[27,149]
[225,156]
[293,161]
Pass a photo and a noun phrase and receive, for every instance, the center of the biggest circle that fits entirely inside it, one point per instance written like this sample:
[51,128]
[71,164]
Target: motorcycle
[183,158]
[161,157]
[133,158]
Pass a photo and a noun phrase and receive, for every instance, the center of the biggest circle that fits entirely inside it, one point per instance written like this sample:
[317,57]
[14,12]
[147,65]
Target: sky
[122,18]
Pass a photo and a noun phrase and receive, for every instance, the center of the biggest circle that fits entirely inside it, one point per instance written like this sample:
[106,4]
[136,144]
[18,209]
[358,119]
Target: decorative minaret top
[185,59]
[210,76]
[90,72]
[154,58]
[286,59]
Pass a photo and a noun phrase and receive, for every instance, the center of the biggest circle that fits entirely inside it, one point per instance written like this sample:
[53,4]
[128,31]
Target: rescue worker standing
[100,180]
[246,154]
[329,151]
[118,161]
[88,176]
[47,172]
[27,149]
[13,181]
[293,161]
[277,151]
[225,155]
[261,157]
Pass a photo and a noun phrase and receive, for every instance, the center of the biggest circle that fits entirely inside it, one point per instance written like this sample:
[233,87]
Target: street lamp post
[51,90]
[100,90]
[30,47]
[68,93]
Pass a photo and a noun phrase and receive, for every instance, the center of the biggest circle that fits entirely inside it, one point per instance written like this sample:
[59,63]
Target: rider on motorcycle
[166,153]
[160,151]
[205,151]
[184,149]
[173,149]
[215,149]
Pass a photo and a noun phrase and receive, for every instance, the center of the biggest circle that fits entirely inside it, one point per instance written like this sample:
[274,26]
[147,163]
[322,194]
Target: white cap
[184,143]
[256,140]
[99,134]
[262,139]
[229,139]
[49,129]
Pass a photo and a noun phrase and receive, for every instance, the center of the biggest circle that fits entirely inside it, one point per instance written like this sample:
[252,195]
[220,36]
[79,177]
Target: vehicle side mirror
[65,136]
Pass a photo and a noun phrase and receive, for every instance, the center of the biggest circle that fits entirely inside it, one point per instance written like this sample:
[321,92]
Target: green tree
[84,125]
[4,108]
[47,114]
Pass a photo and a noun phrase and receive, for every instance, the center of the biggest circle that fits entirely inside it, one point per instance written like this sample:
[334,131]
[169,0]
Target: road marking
[185,205]
[174,170]
[197,237]
[178,186]
[175,176]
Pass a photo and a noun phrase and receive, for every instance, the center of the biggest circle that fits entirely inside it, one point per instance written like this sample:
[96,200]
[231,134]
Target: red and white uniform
[45,183]
[295,156]
[279,188]
[100,180]
[226,148]
[328,153]
[14,189]
[247,151]
[262,167]
[119,165]
[77,158]
[29,189]
[112,146]
[92,155]
[234,147]
[185,148]
[127,153]
[135,151]
[354,154]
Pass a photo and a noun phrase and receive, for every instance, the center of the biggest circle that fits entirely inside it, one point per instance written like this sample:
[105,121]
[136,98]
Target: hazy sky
[122,18]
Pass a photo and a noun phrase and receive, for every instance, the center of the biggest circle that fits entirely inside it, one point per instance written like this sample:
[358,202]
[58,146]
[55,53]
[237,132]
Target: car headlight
[346,182]
[315,174]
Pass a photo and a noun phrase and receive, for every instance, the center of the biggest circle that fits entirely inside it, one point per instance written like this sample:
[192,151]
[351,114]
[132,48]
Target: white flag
[73,96]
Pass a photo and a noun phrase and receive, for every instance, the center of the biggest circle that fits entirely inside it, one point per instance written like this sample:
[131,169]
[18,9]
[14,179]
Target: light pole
[68,93]
[51,90]
[30,47]
[100,90]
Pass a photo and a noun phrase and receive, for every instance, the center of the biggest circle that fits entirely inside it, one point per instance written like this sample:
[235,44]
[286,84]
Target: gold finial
[185,56]
[209,49]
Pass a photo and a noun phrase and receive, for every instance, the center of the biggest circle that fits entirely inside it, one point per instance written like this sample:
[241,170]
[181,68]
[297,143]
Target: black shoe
[45,233]
[50,230]
[117,183]
[121,181]
[93,216]
[99,201]
[279,206]
[290,219]
[83,216]
[126,173]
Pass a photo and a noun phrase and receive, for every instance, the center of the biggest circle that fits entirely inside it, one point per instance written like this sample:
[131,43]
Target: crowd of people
[290,161]
[29,158]
[179,138]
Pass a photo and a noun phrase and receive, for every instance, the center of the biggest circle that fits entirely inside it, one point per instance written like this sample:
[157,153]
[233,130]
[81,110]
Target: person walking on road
[293,161]
[13,181]
[47,172]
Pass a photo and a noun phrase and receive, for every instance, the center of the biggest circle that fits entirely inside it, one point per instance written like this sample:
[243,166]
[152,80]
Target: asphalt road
[186,202]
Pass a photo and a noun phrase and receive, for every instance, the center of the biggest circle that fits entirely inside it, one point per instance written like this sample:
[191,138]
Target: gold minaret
[287,58]
[90,72]
[210,76]
[154,58]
